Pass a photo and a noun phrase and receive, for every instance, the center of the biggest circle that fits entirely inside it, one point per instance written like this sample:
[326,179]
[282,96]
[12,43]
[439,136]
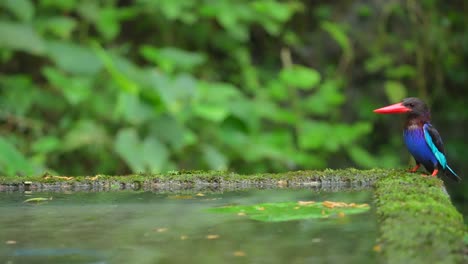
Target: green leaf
[337,32]
[218,92]
[171,132]
[362,157]
[230,17]
[127,144]
[314,134]
[281,139]
[290,211]
[46,144]
[84,133]
[378,62]
[213,100]
[346,134]
[327,98]
[180,91]
[276,10]
[278,90]
[131,109]
[272,145]
[141,156]
[89,11]
[171,59]
[73,58]
[108,23]
[76,89]
[173,10]
[402,71]
[215,113]
[109,20]
[395,91]
[214,158]
[21,37]
[274,112]
[22,9]
[300,76]
[272,14]
[124,83]
[13,162]
[60,26]
[154,154]
[364,10]
[19,94]
[63,5]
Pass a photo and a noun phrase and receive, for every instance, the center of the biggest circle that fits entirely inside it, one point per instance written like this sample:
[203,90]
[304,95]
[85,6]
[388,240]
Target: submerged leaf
[287,211]
[211,237]
[239,253]
[37,200]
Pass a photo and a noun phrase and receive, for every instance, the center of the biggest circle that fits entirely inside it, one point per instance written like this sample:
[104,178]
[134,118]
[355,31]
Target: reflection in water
[147,227]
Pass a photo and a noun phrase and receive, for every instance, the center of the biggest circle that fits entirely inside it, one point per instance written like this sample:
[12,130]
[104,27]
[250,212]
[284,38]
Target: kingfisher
[421,138]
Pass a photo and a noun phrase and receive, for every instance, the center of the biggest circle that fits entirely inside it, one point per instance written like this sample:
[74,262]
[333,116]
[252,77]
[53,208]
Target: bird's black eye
[411,105]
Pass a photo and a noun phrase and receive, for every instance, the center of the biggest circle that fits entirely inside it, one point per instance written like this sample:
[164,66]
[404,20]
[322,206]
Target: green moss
[417,221]
[217,177]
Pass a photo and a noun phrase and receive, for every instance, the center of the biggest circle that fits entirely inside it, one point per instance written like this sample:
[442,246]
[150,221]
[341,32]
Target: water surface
[150,227]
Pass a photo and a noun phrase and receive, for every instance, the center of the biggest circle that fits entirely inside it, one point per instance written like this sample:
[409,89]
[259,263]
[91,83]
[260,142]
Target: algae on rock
[418,223]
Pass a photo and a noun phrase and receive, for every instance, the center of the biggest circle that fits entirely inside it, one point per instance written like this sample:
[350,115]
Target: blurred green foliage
[249,85]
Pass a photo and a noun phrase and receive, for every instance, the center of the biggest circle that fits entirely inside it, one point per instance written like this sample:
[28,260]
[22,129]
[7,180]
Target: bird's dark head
[412,105]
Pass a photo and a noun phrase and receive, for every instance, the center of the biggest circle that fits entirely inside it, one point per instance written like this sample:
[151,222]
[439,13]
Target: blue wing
[434,141]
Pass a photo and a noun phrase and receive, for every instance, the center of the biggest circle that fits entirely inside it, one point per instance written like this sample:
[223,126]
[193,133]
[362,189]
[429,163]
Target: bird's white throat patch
[414,126]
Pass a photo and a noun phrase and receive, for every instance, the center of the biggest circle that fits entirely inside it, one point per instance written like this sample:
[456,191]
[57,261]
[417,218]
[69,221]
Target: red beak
[393,109]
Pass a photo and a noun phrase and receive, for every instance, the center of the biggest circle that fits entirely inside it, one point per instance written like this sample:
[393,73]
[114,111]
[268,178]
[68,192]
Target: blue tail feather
[450,169]
[439,155]
[450,173]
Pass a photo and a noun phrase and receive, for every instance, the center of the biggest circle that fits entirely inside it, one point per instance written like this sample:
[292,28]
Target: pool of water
[151,227]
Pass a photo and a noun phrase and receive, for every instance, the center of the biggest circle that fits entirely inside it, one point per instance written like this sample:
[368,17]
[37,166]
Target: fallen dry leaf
[362,205]
[212,236]
[377,248]
[239,253]
[92,178]
[161,229]
[305,202]
[282,183]
[260,208]
[57,177]
[330,204]
[10,242]
[241,214]
[181,197]
[212,199]
[199,194]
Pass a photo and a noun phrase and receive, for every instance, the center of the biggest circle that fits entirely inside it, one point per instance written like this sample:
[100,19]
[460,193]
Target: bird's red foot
[415,168]
[434,173]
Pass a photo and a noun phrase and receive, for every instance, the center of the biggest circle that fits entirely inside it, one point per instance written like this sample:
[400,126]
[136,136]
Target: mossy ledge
[417,221]
[330,179]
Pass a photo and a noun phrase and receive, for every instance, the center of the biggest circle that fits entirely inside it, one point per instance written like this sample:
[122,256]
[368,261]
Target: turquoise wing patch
[439,155]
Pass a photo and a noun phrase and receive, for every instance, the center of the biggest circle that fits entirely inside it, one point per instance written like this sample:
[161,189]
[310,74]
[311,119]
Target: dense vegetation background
[115,87]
